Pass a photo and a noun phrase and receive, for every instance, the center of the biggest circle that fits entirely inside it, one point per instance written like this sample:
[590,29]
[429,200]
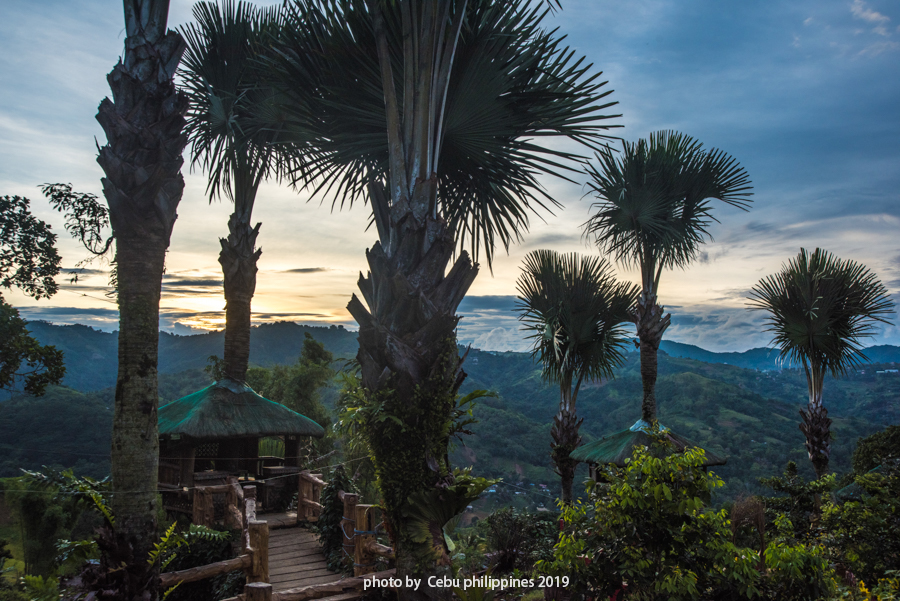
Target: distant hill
[763,358]
[91,355]
[737,410]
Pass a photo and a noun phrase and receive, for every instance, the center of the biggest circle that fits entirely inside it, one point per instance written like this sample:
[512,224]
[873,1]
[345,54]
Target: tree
[575,307]
[29,261]
[653,212]
[223,86]
[820,308]
[143,186]
[429,111]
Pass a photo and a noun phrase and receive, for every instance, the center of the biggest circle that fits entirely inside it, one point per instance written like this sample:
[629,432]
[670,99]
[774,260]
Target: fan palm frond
[575,308]
[512,82]
[820,308]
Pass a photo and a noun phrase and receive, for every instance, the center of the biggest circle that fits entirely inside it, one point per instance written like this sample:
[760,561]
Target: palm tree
[223,85]
[575,307]
[429,110]
[820,308]
[143,185]
[653,212]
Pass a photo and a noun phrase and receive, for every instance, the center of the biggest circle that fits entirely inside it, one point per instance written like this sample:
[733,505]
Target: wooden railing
[254,559]
[309,495]
[261,592]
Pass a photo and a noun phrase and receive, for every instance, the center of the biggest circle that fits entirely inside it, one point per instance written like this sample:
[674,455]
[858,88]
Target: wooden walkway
[295,559]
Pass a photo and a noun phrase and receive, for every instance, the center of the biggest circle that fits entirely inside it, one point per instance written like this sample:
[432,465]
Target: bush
[648,526]
[328,526]
[520,539]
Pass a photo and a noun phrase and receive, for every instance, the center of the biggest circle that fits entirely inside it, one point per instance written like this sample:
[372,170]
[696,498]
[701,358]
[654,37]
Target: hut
[212,435]
[616,448]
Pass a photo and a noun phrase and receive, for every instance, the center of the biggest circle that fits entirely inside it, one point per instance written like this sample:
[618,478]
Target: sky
[805,94]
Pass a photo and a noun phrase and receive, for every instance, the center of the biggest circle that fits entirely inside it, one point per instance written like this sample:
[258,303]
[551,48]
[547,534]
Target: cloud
[859,10]
[307,270]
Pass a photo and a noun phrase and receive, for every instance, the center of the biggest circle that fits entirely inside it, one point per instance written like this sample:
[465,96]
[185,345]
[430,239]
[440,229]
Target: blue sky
[805,94]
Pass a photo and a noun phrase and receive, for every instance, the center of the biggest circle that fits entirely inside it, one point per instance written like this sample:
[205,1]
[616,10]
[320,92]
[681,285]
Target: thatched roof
[231,409]
[616,448]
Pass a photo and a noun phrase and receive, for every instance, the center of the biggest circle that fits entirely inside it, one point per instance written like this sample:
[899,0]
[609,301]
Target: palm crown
[574,307]
[511,82]
[654,206]
[820,307]
[223,82]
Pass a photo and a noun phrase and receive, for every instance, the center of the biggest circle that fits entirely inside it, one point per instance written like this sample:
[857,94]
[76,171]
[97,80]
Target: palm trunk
[651,324]
[238,258]
[143,185]
[816,425]
[410,364]
[564,435]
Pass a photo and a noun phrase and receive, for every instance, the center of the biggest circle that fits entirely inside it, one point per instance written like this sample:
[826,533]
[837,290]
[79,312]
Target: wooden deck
[295,559]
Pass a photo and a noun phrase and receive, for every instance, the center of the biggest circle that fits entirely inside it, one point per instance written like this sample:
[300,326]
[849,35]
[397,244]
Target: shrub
[648,526]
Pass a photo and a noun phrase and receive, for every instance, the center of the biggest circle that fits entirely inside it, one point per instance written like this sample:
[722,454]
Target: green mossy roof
[616,448]
[230,409]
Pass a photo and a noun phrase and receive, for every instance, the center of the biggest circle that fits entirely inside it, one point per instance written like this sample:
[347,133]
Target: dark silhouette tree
[820,308]
[653,212]
[143,185]
[574,306]
[429,111]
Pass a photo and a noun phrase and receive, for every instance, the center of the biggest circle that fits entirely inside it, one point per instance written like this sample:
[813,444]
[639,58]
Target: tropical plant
[223,85]
[653,212]
[143,186]
[28,261]
[820,308]
[574,306]
[647,530]
[429,111]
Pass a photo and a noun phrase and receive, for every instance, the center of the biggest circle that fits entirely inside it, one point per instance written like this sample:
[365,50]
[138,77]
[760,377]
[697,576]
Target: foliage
[329,525]
[197,546]
[44,362]
[86,217]
[862,535]
[28,261]
[820,308]
[647,524]
[298,386]
[874,450]
[519,538]
[46,512]
[801,505]
[654,207]
[28,256]
[795,571]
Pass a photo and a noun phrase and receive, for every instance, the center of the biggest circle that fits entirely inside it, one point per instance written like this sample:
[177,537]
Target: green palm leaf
[512,82]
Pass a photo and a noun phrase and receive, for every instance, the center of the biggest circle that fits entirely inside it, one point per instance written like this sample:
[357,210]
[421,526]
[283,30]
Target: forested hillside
[748,415]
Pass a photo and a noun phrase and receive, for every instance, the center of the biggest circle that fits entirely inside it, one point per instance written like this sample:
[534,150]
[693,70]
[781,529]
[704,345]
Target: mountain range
[741,405]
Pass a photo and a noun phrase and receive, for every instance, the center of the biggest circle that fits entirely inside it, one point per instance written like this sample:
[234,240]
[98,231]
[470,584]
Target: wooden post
[304,493]
[257,591]
[259,545]
[187,465]
[363,560]
[203,508]
[234,506]
[348,524]
[249,510]
[291,451]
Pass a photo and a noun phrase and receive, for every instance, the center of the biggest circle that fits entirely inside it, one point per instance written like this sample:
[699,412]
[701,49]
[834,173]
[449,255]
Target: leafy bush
[647,526]
[200,546]
[863,536]
[519,538]
[328,525]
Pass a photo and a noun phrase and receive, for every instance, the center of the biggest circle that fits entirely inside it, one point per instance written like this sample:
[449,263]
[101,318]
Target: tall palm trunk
[566,439]
[651,324]
[143,185]
[407,340]
[409,359]
[238,258]
[816,425]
